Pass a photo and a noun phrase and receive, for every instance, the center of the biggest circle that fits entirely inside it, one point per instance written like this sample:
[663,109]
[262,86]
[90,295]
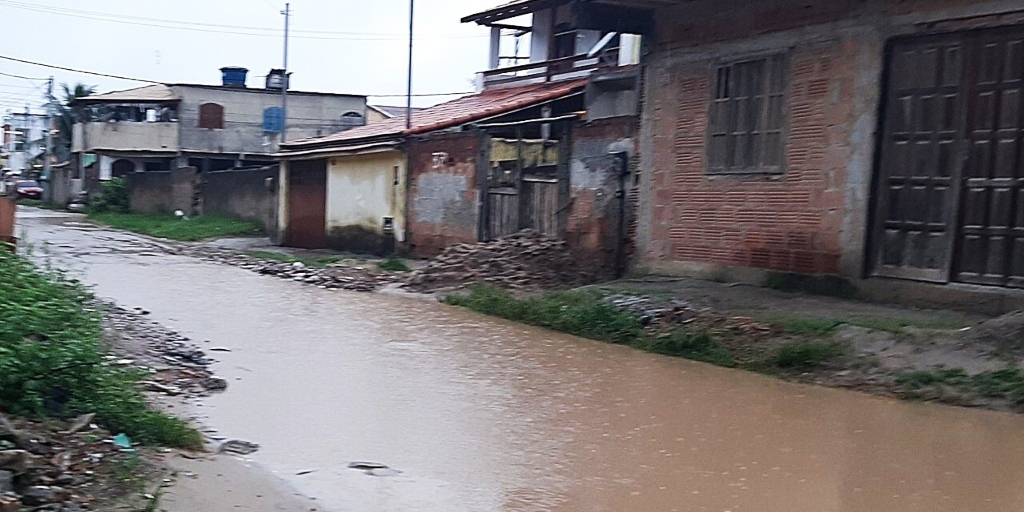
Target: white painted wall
[361,191]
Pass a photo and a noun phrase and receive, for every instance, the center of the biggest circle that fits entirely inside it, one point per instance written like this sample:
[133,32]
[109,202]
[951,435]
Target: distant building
[378,113]
[210,127]
[24,141]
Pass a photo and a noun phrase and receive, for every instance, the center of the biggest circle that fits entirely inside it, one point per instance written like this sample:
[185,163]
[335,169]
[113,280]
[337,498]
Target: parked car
[29,189]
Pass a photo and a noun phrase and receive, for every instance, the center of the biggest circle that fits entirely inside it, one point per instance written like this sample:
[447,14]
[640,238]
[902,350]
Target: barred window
[747,121]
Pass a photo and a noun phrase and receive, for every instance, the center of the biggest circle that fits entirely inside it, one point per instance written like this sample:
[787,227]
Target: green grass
[588,315]
[394,264]
[1006,384]
[169,226]
[821,326]
[288,258]
[52,364]
[804,356]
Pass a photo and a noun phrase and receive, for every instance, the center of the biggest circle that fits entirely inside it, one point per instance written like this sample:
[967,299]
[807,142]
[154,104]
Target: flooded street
[479,414]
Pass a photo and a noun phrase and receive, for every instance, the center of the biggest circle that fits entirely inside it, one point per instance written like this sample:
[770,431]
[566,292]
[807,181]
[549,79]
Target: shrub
[394,264]
[806,355]
[113,197]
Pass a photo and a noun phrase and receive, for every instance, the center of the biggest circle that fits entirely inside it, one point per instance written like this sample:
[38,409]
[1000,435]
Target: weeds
[174,228]
[394,264]
[801,325]
[588,315]
[1005,384]
[804,356]
[288,258]
[51,359]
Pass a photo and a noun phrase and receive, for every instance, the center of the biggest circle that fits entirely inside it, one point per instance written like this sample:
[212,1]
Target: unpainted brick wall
[789,222]
[443,205]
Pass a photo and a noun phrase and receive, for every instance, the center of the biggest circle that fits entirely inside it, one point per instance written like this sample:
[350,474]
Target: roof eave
[510,11]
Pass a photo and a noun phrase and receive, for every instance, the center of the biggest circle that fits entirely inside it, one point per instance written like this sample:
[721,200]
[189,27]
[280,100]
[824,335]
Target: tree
[69,112]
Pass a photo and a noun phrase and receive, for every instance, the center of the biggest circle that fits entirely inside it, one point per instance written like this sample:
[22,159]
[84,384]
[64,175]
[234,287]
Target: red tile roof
[446,115]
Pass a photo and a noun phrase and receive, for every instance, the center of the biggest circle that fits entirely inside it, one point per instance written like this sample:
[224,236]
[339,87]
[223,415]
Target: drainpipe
[622,161]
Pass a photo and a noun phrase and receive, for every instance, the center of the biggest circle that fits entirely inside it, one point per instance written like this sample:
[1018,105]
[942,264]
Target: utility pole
[408,86]
[48,154]
[287,12]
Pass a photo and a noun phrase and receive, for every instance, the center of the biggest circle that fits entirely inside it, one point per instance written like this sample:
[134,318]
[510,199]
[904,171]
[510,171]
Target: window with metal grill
[747,121]
[211,115]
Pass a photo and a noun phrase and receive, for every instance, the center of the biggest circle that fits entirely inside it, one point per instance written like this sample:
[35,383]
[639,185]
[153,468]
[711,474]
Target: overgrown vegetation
[804,356]
[174,228]
[588,315]
[394,264]
[288,258]
[812,326]
[113,198]
[52,364]
[1007,384]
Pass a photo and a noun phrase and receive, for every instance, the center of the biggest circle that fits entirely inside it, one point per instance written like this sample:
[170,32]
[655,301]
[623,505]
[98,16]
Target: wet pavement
[477,414]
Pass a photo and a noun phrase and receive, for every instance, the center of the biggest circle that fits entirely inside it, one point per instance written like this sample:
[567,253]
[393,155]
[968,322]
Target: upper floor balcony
[544,41]
[156,137]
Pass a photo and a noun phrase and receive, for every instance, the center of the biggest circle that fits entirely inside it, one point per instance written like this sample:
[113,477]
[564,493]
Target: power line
[22,77]
[119,77]
[62,68]
[218,28]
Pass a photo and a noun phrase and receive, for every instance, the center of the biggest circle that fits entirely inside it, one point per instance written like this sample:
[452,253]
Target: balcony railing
[565,68]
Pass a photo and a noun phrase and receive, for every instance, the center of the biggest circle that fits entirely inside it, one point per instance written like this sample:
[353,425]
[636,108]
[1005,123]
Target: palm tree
[69,112]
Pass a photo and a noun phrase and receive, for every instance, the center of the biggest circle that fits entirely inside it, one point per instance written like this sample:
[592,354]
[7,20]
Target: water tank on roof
[276,79]
[233,76]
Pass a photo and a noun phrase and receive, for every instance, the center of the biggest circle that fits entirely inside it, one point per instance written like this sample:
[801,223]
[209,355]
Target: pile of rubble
[176,366]
[522,261]
[59,467]
[656,314]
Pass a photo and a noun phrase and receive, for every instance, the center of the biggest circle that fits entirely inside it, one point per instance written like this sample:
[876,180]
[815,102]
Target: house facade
[548,143]
[867,139]
[162,127]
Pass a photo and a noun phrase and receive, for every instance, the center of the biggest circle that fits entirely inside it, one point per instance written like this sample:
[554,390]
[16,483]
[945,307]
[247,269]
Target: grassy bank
[52,359]
[590,316]
[169,226]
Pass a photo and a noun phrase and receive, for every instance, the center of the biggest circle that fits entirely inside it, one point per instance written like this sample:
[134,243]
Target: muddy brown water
[484,415]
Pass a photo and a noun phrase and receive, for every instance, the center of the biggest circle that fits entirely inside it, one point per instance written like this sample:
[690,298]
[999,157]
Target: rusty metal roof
[447,115]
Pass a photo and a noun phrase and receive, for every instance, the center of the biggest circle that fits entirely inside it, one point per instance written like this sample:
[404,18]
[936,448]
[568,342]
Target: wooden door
[922,153]
[307,204]
[540,205]
[503,211]
[991,246]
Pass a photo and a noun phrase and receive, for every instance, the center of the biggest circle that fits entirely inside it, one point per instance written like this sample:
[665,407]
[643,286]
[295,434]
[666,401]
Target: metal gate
[951,170]
[307,204]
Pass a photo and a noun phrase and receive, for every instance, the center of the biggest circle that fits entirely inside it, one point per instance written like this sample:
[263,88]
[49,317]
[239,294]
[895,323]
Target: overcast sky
[345,46]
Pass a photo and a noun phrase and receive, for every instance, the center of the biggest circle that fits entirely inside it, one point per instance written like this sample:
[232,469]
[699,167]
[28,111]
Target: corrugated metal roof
[510,10]
[446,115]
[157,93]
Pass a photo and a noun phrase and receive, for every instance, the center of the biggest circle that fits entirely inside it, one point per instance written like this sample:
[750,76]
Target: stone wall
[163,191]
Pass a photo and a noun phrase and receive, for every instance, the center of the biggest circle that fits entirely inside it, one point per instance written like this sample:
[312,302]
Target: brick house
[867,138]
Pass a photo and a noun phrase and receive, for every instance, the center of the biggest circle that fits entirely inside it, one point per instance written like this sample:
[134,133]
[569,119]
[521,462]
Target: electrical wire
[23,77]
[221,28]
[120,77]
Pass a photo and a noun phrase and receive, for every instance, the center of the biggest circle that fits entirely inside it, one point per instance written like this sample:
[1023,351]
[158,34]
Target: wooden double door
[950,194]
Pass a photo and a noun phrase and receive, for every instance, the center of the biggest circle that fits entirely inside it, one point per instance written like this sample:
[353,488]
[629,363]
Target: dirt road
[470,413]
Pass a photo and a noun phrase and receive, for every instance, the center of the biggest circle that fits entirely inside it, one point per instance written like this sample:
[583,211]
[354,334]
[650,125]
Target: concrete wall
[593,230]
[361,191]
[163,191]
[814,217]
[444,199]
[59,190]
[125,136]
[308,116]
[243,194]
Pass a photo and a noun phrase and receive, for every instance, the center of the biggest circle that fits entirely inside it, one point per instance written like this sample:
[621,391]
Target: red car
[28,189]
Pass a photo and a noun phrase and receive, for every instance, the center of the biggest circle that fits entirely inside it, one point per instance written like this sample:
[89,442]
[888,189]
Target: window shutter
[273,120]
[211,115]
